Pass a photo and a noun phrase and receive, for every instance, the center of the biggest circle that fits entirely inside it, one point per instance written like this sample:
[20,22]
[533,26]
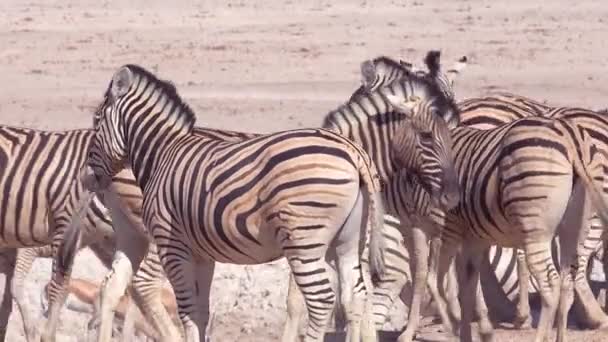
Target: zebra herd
[154,197]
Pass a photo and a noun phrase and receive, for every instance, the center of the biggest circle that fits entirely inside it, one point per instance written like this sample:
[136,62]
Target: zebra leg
[440,264]
[7,264]
[451,293]
[472,298]
[180,269]
[420,253]
[147,288]
[542,267]
[395,280]
[314,281]
[595,316]
[295,312]
[25,259]
[566,299]
[57,289]
[486,329]
[522,314]
[204,274]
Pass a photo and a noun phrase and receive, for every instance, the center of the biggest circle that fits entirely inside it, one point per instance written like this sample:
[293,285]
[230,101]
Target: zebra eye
[426,137]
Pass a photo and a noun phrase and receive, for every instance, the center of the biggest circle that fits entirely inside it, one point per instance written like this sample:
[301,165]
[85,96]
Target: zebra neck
[148,144]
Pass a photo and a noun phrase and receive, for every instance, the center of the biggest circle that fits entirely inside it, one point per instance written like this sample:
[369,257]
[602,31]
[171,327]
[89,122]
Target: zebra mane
[435,92]
[167,88]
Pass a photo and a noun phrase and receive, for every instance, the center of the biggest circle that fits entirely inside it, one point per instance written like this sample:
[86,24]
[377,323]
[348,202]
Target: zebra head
[139,116]
[387,76]
[108,151]
[422,144]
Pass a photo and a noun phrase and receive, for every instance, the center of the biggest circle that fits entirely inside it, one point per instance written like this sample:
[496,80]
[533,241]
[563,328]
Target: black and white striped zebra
[490,112]
[503,108]
[368,119]
[514,193]
[34,213]
[248,194]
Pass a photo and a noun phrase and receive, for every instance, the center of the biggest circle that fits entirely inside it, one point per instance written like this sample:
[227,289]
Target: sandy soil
[268,65]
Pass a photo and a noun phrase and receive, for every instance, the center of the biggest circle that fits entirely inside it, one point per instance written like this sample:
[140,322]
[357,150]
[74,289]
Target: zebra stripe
[504,183]
[284,194]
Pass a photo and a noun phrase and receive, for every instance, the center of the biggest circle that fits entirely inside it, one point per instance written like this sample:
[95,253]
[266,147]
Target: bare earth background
[267,65]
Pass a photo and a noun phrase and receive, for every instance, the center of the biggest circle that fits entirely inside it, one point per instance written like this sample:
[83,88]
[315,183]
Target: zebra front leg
[25,259]
[441,261]
[7,263]
[420,253]
[522,314]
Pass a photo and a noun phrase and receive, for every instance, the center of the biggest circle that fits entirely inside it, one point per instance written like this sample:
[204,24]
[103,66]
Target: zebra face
[107,154]
[422,144]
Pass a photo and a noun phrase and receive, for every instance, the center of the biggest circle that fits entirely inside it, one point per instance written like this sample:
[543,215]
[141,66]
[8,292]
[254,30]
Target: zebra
[526,154]
[34,214]
[368,119]
[308,191]
[505,107]
[500,108]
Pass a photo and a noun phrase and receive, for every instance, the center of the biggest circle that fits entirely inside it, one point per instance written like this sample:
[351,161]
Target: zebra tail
[596,197]
[73,234]
[375,220]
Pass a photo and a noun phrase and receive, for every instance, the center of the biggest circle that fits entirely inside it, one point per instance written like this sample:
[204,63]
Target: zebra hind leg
[349,249]
[522,313]
[296,312]
[7,266]
[147,289]
[540,262]
[204,275]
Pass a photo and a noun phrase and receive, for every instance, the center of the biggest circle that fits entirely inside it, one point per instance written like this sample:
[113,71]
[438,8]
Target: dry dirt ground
[267,65]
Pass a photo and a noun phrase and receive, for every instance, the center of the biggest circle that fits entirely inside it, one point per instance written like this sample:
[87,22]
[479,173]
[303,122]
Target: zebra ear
[454,71]
[368,73]
[406,65]
[121,82]
[432,62]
